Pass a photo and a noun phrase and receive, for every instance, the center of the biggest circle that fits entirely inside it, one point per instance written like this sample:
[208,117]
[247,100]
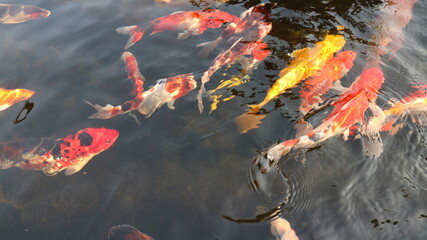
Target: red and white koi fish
[249,18]
[127,232]
[8,97]
[315,87]
[146,102]
[248,43]
[191,22]
[18,13]
[349,110]
[282,230]
[70,153]
[389,26]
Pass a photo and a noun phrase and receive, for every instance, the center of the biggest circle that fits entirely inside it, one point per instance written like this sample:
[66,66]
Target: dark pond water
[176,174]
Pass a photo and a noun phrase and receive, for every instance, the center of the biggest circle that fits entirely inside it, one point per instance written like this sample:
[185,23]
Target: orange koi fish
[18,13]
[315,87]
[249,18]
[8,97]
[348,111]
[70,153]
[282,230]
[127,232]
[248,43]
[191,22]
[146,102]
[389,35]
[414,105]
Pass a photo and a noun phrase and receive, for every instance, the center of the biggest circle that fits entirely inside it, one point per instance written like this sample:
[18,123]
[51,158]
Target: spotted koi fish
[146,102]
[248,43]
[8,97]
[348,111]
[18,13]
[190,22]
[249,18]
[70,153]
[126,232]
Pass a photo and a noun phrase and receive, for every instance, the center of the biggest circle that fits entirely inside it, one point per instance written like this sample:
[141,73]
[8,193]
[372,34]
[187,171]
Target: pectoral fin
[170,104]
[77,167]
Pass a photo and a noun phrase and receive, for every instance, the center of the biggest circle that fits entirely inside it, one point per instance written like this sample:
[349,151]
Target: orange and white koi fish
[70,153]
[190,22]
[249,18]
[248,43]
[348,111]
[389,35]
[146,102]
[315,87]
[414,105]
[18,13]
[127,232]
[8,97]
[282,230]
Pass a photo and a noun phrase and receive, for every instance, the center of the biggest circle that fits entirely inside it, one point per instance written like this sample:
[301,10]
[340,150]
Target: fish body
[348,111]
[248,43]
[19,13]
[126,232]
[190,22]
[70,153]
[307,62]
[315,87]
[8,97]
[146,102]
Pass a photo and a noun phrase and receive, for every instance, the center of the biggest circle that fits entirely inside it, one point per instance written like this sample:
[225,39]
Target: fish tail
[208,47]
[135,32]
[103,112]
[205,79]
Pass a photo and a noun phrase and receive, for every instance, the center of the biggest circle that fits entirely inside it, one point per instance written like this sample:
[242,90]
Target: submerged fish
[70,153]
[348,111]
[254,15]
[8,97]
[19,13]
[191,22]
[282,230]
[146,102]
[126,232]
[307,63]
[248,43]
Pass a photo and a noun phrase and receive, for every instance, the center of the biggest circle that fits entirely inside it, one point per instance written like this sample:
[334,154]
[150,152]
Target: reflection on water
[178,173]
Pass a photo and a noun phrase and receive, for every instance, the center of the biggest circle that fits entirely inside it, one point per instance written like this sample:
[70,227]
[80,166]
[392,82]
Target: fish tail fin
[103,112]
[208,47]
[248,121]
[135,32]
[302,127]
[5,163]
[372,138]
[205,79]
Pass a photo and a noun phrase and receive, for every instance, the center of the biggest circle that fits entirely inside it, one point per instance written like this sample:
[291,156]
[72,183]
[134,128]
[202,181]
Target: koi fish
[8,97]
[389,36]
[70,153]
[146,102]
[248,43]
[127,232]
[306,63]
[282,230]
[18,13]
[348,111]
[249,18]
[191,22]
[414,105]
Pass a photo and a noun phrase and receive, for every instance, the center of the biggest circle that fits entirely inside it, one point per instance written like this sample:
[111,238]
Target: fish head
[35,12]
[122,232]
[97,139]
[180,85]
[370,81]
[347,58]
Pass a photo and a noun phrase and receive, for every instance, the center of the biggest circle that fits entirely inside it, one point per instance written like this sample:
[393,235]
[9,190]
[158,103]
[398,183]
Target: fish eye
[108,140]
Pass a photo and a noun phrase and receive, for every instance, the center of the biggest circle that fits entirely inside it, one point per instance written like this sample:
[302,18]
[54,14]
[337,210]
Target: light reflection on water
[176,174]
